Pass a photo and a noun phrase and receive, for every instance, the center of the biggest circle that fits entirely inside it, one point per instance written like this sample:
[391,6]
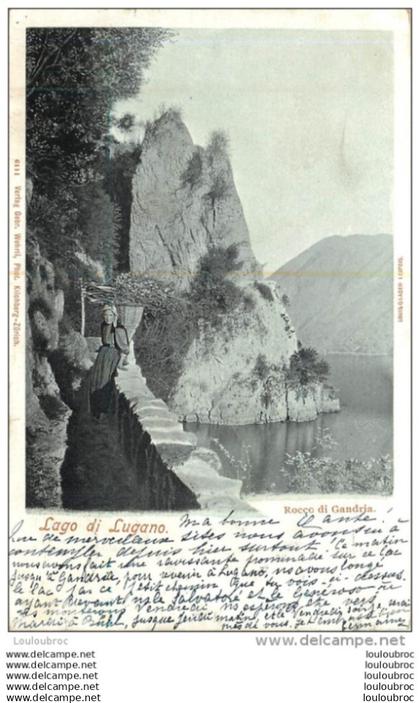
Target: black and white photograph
[209,266]
[210,339]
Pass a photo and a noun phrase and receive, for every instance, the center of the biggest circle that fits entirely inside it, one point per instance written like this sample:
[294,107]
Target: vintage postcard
[210,331]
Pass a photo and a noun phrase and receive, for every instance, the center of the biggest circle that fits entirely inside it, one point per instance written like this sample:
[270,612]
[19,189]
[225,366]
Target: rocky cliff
[54,366]
[340,293]
[235,368]
[238,373]
[184,201]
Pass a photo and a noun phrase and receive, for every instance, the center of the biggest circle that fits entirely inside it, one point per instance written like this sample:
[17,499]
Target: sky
[310,120]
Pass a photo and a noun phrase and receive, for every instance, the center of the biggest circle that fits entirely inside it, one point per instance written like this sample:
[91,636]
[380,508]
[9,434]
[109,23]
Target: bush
[74,349]
[126,122]
[54,224]
[310,474]
[41,336]
[249,302]
[161,345]
[173,112]
[70,363]
[218,145]
[219,189]
[42,305]
[264,290]
[82,219]
[62,279]
[99,222]
[306,367]
[75,76]
[261,368]
[194,170]
[168,329]
[118,182]
[65,325]
[211,292]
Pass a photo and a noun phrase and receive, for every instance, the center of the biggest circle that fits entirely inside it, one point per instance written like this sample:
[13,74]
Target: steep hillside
[340,293]
[56,360]
[225,356]
[239,373]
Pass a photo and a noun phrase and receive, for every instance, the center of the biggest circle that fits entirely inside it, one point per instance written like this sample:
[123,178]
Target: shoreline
[349,353]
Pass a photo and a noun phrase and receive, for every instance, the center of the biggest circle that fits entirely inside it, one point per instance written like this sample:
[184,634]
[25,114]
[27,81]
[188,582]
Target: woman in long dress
[115,345]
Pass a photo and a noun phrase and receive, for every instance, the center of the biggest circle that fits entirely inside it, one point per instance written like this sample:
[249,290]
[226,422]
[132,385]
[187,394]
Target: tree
[219,189]
[74,77]
[307,367]
[98,223]
[118,181]
[194,170]
[126,122]
[218,145]
[211,291]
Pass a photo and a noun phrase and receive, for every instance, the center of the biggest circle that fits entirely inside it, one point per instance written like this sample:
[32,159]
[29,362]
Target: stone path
[97,474]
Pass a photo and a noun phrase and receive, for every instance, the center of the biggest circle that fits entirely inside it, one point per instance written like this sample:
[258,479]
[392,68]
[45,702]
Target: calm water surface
[362,429]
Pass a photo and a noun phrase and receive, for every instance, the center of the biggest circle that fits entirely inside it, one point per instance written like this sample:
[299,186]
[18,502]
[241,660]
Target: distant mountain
[341,293]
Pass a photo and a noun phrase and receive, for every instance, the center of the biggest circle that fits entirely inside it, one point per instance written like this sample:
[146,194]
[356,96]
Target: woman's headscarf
[113,309]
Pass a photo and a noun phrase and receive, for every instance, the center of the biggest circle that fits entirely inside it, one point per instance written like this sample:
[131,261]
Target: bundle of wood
[96,293]
[129,289]
[153,294]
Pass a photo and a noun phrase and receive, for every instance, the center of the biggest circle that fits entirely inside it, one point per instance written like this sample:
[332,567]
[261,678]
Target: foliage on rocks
[172,322]
[118,184]
[264,290]
[212,292]
[217,145]
[193,172]
[307,367]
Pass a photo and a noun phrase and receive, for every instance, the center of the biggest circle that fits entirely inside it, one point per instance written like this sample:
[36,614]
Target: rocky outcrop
[48,361]
[237,374]
[46,413]
[46,428]
[306,402]
[185,207]
[341,292]
[184,201]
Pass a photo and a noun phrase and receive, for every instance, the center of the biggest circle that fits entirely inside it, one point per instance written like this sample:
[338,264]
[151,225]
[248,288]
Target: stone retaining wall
[171,470]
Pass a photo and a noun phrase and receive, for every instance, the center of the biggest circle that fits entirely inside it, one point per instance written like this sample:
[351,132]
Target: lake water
[362,429]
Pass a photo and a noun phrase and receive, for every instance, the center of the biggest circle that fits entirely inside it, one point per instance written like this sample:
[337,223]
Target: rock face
[184,201]
[236,375]
[341,292]
[47,414]
[185,204]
